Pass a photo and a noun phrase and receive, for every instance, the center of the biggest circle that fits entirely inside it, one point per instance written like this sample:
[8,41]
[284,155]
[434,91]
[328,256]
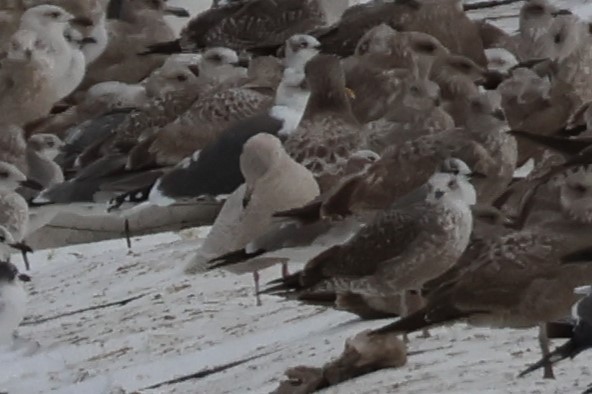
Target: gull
[401,249]
[214,112]
[141,23]
[50,23]
[27,86]
[14,210]
[273,182]
[244,25]
[13,298]
[328,133]
[13,147]
[517,279]
[580,332]
[98,100]
[42,149]
[212,172]
[299,49]
[414,111]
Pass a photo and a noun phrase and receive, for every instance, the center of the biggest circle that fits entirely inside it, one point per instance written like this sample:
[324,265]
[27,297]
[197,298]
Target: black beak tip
[178,12]
[478,175]
[89,40]
[24,278]
[562,12]
[31,184]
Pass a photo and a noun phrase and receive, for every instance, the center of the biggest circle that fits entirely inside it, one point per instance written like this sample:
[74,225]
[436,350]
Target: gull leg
[417,305]
[26,260]
[256,278]
[128,239]
[285,272]
[403,312]
[544,343]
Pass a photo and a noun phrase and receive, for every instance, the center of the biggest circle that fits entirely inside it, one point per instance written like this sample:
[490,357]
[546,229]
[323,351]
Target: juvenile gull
[273,182]
[401,249]
[13,299]
[42,149]
[517,279]
[414,111]
[13,147]
[27,84]
[328,133]
[244,25]
[215,169]
[214,112]
[142,23]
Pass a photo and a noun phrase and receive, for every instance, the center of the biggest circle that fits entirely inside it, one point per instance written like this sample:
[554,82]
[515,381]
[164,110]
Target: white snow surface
[182,324]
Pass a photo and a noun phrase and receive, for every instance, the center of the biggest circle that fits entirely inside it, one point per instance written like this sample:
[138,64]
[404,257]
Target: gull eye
[4,174]
[580,188]
[181,78]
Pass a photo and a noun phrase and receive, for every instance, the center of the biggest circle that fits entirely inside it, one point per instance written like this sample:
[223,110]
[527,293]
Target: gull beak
[562,12]
[583,290]
[88,40]
[499,114]
[22,247]
[24,277]
[177,11]
[350,93]
[478,175]
[82,21]
[243,62]
[31,184]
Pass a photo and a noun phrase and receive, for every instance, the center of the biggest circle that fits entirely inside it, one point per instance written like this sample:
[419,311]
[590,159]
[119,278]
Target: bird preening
[426,163]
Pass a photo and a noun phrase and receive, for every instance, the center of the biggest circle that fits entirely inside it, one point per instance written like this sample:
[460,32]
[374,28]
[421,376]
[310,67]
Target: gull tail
[290,283]
[562,145]
[164,48]
[424,318]
[579,256]
[570,349]
[135,196]
[238,256]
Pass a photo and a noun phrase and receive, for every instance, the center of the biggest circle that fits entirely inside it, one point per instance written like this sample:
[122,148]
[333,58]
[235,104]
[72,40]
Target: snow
[180,325]
[176,325]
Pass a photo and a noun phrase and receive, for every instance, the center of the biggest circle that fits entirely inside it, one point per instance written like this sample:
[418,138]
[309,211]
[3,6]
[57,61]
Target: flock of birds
[424,165]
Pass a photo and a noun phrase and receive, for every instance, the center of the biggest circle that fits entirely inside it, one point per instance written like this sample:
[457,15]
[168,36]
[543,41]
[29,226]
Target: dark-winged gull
[244,25]
[273,182]
[579,332]
[401,249]
[13,299]
[215,169]
[328,133]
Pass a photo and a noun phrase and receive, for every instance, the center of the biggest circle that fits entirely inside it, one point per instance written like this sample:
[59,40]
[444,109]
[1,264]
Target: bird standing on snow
[13,298]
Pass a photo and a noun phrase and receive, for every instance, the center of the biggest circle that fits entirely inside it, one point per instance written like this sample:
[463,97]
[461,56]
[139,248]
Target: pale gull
[13,299]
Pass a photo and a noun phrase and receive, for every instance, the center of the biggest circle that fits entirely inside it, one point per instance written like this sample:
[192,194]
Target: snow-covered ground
[107,321]
[151,324]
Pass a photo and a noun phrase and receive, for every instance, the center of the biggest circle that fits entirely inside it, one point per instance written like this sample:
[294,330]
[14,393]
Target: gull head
[376,40]
[44,16]
[420,94]
[47,145]
[300,48]
[9,273]
[260,153]
[452,181]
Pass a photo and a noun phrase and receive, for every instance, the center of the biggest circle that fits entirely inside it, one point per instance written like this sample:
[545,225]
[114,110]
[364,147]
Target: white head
[259,155]
[535,18]
[46,17]
[26,45]
[300,48]
[47,145]
[500,59]
[455,186]
[216,62]
[290,100]
[10,177]
[567,34]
